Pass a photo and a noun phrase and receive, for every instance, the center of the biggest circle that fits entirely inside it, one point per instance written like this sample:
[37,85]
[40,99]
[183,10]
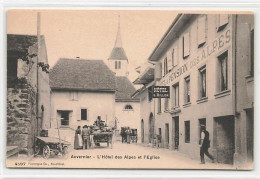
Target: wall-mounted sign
[161,92]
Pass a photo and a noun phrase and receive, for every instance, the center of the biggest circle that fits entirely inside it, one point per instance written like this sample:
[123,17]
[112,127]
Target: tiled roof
[118,53]
[80,74]
[125,89]
[20,43]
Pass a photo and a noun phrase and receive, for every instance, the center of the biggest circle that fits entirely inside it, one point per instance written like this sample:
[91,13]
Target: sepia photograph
[130,89]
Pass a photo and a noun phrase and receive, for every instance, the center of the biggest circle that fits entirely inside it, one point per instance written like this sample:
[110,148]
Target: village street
[127,156]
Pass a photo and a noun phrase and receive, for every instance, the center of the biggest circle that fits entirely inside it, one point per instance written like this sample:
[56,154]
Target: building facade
[82,90]
[27,112]
[200,57]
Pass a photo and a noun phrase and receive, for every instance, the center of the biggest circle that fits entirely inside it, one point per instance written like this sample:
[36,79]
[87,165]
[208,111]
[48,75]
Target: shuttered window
[174,56]
[163,68]
[222,21]
[186,45]
[201,31]
[169,61]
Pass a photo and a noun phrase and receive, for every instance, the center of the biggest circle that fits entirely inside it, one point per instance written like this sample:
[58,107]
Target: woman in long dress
[78,139]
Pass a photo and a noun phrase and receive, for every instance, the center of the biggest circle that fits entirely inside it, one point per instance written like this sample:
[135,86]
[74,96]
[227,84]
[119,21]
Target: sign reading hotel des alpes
[218,44]
[161,92]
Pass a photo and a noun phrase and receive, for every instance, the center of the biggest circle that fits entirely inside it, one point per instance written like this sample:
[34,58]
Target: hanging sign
[161,92]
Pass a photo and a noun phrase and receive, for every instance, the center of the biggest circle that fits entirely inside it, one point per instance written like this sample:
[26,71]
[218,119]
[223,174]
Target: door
[176,132]
[142,131]
[225,139]
[250,134]
[151,128]
[167,135]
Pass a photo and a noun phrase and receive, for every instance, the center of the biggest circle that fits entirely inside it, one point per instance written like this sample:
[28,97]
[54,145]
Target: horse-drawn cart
[103,137]
[47,146]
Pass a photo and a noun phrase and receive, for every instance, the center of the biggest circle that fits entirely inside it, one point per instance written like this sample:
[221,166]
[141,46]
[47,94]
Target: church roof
[80,74]
[125,89]
[118,53]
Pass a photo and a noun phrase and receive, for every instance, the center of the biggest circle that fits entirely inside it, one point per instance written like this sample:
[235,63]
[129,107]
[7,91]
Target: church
[83,89]
[127,109]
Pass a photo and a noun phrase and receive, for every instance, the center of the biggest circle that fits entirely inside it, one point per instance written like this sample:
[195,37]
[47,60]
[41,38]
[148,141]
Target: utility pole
[37,71]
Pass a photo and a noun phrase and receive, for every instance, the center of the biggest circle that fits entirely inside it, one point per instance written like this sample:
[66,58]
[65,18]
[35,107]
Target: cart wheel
[46,151]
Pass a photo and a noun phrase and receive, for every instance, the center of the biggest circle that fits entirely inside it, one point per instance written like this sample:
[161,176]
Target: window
[176,95]
[223,62]
[115,64]
[201,31]
[74,96]
[203,82]
[159,105]
[174,57]
[64,115]
[128,107]
[187,89]
[187,131]
[84,114]
[165,66]
[166,104]
[119,65]
[150,93]
[202,122]
[186,45]
[222,21]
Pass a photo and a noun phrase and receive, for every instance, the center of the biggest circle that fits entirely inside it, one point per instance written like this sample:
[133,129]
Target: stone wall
[21,116]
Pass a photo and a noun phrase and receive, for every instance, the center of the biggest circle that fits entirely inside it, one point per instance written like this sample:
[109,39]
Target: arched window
[128,107]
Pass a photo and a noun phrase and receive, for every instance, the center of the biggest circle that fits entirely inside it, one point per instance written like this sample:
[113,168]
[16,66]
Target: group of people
[83,138]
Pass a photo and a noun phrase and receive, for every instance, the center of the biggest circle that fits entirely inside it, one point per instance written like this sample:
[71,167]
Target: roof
[20,43]
[118,53]
[125,89]
[80,74]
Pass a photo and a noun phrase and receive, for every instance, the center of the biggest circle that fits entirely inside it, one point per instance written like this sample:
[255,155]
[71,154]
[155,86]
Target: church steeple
[118,60]
[118,42]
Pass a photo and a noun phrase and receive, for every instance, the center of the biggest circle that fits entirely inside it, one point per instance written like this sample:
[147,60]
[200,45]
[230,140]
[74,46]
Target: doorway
[167,138]
[142,131]
[250,134]
[175,133]
[225,139]
[151,128]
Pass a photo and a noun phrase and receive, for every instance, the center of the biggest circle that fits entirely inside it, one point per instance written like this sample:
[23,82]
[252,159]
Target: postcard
[130,89]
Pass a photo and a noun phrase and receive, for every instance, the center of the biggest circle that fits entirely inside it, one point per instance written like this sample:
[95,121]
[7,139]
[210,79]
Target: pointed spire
[118,42]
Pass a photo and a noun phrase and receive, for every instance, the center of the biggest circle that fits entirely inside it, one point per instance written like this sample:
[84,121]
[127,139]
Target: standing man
[205,144]
[86,137]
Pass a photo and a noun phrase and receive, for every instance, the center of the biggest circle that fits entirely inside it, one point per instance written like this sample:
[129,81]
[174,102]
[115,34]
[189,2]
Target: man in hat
[86,137]
[205,144]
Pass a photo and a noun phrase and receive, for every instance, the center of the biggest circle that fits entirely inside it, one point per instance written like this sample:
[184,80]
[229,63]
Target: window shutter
[169,60]
[175,56]
[186,45]
[78,115]
[201,30]
[162,68]
[223,19]
[158,71]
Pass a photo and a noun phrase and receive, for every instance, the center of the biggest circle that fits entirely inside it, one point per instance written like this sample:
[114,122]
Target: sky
[91,34]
